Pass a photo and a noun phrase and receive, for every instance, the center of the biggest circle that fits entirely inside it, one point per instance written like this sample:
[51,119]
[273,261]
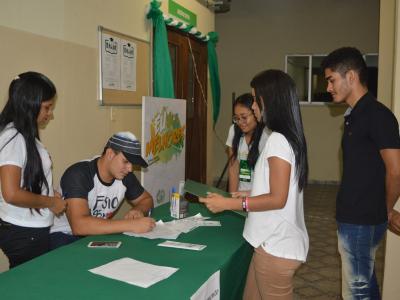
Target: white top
[14,153]
[281,232]
[245,178]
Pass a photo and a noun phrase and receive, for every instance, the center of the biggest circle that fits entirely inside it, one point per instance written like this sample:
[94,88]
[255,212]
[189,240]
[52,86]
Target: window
[305,69]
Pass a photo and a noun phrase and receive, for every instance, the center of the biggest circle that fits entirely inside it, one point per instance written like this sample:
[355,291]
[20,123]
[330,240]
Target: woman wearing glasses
[275,224]
[246,139]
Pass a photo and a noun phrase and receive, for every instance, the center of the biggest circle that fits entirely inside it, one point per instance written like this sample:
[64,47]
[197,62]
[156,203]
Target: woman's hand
[59,205]
[215,203]
[240,194]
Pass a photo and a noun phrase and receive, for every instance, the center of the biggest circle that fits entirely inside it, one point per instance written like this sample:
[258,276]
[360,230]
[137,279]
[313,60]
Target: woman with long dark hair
[246,139]
[275,224]
[27,200]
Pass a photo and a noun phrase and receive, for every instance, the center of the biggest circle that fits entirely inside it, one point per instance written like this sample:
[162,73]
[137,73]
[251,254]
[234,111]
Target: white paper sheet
[188,224]
[161,231]
[199,216]
[134,272]
[128,65]
[171,230]
[111,62]
[179,245]
[209,223]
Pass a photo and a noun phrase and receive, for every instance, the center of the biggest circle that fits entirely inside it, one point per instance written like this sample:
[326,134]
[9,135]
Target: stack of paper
[188,224]
[171,230]
[160,231]
[134,272]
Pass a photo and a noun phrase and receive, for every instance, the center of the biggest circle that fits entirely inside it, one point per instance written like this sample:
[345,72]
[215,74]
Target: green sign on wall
[182,13]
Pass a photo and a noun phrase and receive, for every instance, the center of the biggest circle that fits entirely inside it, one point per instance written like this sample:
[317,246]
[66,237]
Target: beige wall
[59,38]
[256,35]
[63,45]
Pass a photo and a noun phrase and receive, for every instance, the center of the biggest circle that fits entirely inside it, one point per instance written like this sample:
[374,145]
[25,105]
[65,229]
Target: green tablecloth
[63,273]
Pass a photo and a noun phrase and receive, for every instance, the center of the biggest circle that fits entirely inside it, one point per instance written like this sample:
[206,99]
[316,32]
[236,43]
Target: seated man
[95,189]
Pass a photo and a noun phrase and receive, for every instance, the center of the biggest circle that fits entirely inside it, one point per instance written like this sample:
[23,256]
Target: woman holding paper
[275,224]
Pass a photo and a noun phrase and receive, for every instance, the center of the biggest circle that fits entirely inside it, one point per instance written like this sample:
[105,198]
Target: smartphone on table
[104,244]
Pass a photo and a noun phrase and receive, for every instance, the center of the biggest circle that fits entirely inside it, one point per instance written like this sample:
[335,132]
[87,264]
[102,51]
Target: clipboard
[200,190]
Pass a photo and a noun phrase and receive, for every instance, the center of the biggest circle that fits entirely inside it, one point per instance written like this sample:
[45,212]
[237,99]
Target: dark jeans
[21,244]
[58,239]
[357,247]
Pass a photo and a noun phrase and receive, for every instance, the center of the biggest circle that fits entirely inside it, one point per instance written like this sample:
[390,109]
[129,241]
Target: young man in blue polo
[371,171]
[95,189]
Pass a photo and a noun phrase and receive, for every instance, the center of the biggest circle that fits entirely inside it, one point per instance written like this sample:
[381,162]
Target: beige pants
[270,277]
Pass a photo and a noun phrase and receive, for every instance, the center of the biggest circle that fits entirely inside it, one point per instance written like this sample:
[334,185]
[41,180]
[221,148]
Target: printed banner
[163,146]
[210,289]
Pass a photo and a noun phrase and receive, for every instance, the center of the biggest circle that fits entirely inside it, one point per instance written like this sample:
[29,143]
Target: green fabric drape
[162,69]
[214,74]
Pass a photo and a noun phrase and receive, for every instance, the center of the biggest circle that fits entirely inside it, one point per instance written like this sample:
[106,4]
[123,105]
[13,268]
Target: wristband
[244,204]
[247,203]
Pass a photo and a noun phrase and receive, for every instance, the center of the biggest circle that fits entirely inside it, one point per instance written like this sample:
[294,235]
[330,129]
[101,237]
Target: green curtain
[214,74]
[162,69]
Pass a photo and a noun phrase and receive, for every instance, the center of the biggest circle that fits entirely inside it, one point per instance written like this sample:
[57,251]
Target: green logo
[167,137]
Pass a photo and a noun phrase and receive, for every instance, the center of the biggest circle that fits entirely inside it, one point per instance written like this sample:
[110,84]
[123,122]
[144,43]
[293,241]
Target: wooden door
[189,66]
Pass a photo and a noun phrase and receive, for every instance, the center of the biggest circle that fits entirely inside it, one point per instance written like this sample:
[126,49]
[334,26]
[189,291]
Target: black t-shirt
[369,128]
[82,180]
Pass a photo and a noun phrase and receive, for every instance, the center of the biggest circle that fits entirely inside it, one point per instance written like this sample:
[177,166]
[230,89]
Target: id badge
[244,171]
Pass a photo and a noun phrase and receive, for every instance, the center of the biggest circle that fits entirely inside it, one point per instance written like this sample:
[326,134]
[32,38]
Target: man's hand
[142,225]
[134,214]
[394,221]
[391,159]
[142,204]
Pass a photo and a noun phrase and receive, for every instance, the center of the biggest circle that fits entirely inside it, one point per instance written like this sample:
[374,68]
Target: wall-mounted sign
[182,13]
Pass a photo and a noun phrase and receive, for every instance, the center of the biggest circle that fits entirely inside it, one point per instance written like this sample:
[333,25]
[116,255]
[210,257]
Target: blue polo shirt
[368,128]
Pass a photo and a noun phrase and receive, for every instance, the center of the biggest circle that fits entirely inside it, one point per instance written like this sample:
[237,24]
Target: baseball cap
[127,143]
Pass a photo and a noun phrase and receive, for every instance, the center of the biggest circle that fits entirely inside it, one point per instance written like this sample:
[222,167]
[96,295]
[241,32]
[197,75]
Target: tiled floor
[319,278]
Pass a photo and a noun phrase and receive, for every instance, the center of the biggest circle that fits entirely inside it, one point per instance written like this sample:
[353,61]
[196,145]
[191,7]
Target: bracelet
[247,203]
[244,204]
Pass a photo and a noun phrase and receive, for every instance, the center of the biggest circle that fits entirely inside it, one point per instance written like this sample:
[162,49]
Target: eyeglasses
[242,118]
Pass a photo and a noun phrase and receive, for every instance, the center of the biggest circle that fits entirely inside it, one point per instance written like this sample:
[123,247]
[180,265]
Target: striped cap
[128,144]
